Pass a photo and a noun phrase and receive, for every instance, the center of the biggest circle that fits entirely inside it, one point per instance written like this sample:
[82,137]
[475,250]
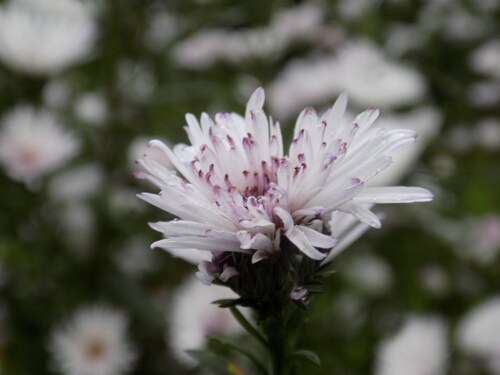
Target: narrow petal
[254,242]
[299,239]
[318,239]
[286,218]
[362,213]
[199,243]
[394,194]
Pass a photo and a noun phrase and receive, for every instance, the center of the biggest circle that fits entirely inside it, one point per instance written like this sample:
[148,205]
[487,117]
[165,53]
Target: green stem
[277,343]
[280,337]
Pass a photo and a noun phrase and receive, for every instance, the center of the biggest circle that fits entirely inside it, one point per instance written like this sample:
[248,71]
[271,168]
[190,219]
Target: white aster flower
[92,108]
[371,78]
[93,342]
[239,191]
[193,317]
[33,143]
[303,82]
[43,37]
[205,48]
[419,348]
[478,333]
[359,68]
[368,272]
[132,260]
[77,183]
[486,59]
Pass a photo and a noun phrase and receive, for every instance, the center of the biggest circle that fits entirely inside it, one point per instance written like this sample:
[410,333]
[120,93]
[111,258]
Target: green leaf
[247,326]
[307,355]
[227,302]
[215,364]
[223,342]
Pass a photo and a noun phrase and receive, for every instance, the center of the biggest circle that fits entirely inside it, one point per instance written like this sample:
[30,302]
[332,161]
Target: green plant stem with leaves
[267,288]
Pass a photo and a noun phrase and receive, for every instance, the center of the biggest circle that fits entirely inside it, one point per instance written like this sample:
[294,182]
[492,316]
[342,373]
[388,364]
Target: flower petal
[299,239]
[394,194]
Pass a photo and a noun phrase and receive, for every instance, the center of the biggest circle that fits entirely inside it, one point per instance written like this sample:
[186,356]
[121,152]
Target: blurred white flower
[419,348]
[121,201]
[368,272]
[78,227]
[474,238]
[478,333]
[403,37]
[454,20]
[241,193]
[303,82]
[435,279]
[136,80]
[134,258]
[203,49]
[33,143]
[487,134]
[359,68]
[92,108]
[76,183]
[161,28]
[93,342]
[43,37]
[486,58]
[371,79]
[462,25]
[192,317]
[485,93]
[355,9]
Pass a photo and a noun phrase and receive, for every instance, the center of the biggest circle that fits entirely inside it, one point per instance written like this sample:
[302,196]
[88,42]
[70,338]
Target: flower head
[42,37]
[478,333]
[33,143]
[240,195]
[419,348]
[93,342]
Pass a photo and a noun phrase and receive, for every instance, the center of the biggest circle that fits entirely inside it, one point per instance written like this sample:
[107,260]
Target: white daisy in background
[487,134]
[240,193]
[161,28]
[78,227]
[368,272]
[484,93]
[92,108]
[358,68]
[136,80]
[304,82]
[486,58]
[478,334]
[435,280]
[33,143]
[289,26]
[475,238]
[419,348]
[132,259]
[43,37]
[371,78]
[193,317]
[76,183]
[93,342]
